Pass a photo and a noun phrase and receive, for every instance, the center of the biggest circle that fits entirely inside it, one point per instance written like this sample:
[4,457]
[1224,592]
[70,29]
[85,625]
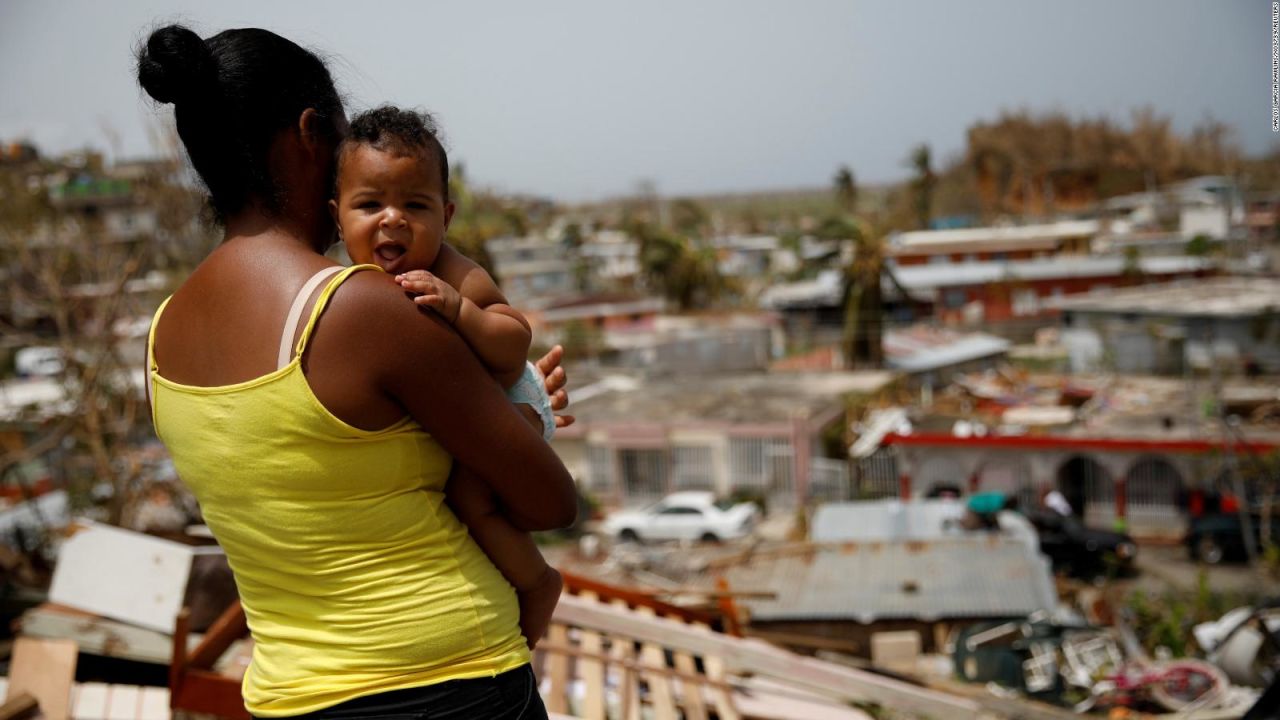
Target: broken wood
[661,695]
[624,651]
[98,635]
[759,657]
[46,670]
[558,670]
[21,706]
[592,671]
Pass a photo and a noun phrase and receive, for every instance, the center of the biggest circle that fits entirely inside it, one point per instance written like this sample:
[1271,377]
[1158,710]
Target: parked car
[689,515]
[1082,551]
[1219,537]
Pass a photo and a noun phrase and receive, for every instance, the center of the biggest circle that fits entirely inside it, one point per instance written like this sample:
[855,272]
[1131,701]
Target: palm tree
[846,190]
[922,184]
[863,288]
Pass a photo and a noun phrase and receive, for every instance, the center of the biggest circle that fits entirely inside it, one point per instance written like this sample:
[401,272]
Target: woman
[314,413]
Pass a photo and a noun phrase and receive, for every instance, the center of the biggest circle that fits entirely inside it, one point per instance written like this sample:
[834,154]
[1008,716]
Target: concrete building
[1124,449]
[612,257]
[978,293]
[1229,323]
[635,440]
[995,243]
[531,268]
[1018,294]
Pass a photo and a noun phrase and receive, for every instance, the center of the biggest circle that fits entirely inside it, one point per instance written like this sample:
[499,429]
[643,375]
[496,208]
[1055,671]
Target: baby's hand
[432,292]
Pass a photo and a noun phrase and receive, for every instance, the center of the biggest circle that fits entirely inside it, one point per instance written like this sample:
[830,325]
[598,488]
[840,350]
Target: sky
[587,100]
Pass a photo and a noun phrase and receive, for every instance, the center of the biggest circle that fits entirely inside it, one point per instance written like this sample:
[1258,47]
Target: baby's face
[390,208]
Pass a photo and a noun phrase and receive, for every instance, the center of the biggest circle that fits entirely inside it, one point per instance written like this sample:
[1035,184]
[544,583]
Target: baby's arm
[464,294]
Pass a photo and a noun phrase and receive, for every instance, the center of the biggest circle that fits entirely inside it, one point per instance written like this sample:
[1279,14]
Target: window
[954,299]
[680,511]
[1026,302]
[600,469]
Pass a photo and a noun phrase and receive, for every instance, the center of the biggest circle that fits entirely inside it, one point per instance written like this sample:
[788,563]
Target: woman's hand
[556,379]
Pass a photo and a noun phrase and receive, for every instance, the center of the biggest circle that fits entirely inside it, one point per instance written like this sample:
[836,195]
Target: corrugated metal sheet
[963,577]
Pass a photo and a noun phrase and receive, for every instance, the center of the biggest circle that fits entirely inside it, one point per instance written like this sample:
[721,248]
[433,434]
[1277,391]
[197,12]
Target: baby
[392,209]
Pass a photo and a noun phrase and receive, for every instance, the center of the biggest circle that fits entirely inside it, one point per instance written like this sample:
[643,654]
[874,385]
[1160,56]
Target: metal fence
[602,472]
[645,474]
[876,476]
[1152,489]
[763,466]
[694,468]
[829,480]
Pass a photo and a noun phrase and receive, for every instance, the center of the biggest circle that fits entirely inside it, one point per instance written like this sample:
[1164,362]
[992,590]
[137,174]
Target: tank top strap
[323,300]
[151,358]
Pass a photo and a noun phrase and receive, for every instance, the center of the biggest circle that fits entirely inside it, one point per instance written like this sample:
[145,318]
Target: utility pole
[1229,437]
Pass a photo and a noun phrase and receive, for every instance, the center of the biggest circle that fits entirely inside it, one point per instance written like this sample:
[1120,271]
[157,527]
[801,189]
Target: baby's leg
[511,550]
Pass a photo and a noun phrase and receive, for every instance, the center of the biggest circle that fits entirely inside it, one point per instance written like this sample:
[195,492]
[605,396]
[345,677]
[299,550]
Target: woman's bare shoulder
[370,306]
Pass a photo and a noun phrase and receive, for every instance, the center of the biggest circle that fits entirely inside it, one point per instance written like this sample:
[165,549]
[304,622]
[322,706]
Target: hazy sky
[582,100]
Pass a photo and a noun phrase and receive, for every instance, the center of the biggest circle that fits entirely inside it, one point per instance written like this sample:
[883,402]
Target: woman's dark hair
[232,94]
[404,132]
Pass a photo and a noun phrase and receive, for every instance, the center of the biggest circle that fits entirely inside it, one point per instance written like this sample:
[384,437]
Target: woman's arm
[425,367]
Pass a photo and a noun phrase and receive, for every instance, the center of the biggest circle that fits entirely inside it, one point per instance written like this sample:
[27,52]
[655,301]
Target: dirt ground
[1168,567]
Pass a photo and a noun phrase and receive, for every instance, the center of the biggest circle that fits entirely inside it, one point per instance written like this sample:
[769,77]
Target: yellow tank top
[355,577]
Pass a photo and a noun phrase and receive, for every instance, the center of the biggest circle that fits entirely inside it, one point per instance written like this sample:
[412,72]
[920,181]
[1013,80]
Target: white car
[689,515]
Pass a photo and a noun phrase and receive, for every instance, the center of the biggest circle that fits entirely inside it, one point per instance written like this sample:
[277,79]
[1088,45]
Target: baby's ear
[333,212]
[448,213]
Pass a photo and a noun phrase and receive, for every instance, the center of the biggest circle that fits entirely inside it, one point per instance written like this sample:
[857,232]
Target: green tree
[1132,269]
[689,218]
[684,273]
[1199,246]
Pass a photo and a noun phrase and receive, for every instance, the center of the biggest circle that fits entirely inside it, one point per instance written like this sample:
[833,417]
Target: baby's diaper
[531,390]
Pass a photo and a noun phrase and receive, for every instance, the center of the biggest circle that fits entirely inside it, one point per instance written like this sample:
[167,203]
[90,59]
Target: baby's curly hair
[403,132]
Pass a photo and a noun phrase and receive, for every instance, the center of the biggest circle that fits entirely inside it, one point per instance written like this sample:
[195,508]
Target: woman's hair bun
[175,64]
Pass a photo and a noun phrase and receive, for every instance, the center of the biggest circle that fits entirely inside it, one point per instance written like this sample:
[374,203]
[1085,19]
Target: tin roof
[986,575]
[1209,297]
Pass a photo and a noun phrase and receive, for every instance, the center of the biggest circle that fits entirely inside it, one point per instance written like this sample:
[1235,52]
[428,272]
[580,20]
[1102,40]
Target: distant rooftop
[1008,235]
[1208,297]
[926,277]
[747,398]
[922,348]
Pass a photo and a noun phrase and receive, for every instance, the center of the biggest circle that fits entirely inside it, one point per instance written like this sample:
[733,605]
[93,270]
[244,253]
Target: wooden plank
[592,671]
[154,704]
[580,585]
[578,655]
[758,657]
[21,706]
[123,575]
[122,702]
[661,696]
[205,692]
[623,649]
[46,669]
[726,708]
[695,707]
[91,701]
[230,626]
[772,700]
[558,670]
[100,636]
